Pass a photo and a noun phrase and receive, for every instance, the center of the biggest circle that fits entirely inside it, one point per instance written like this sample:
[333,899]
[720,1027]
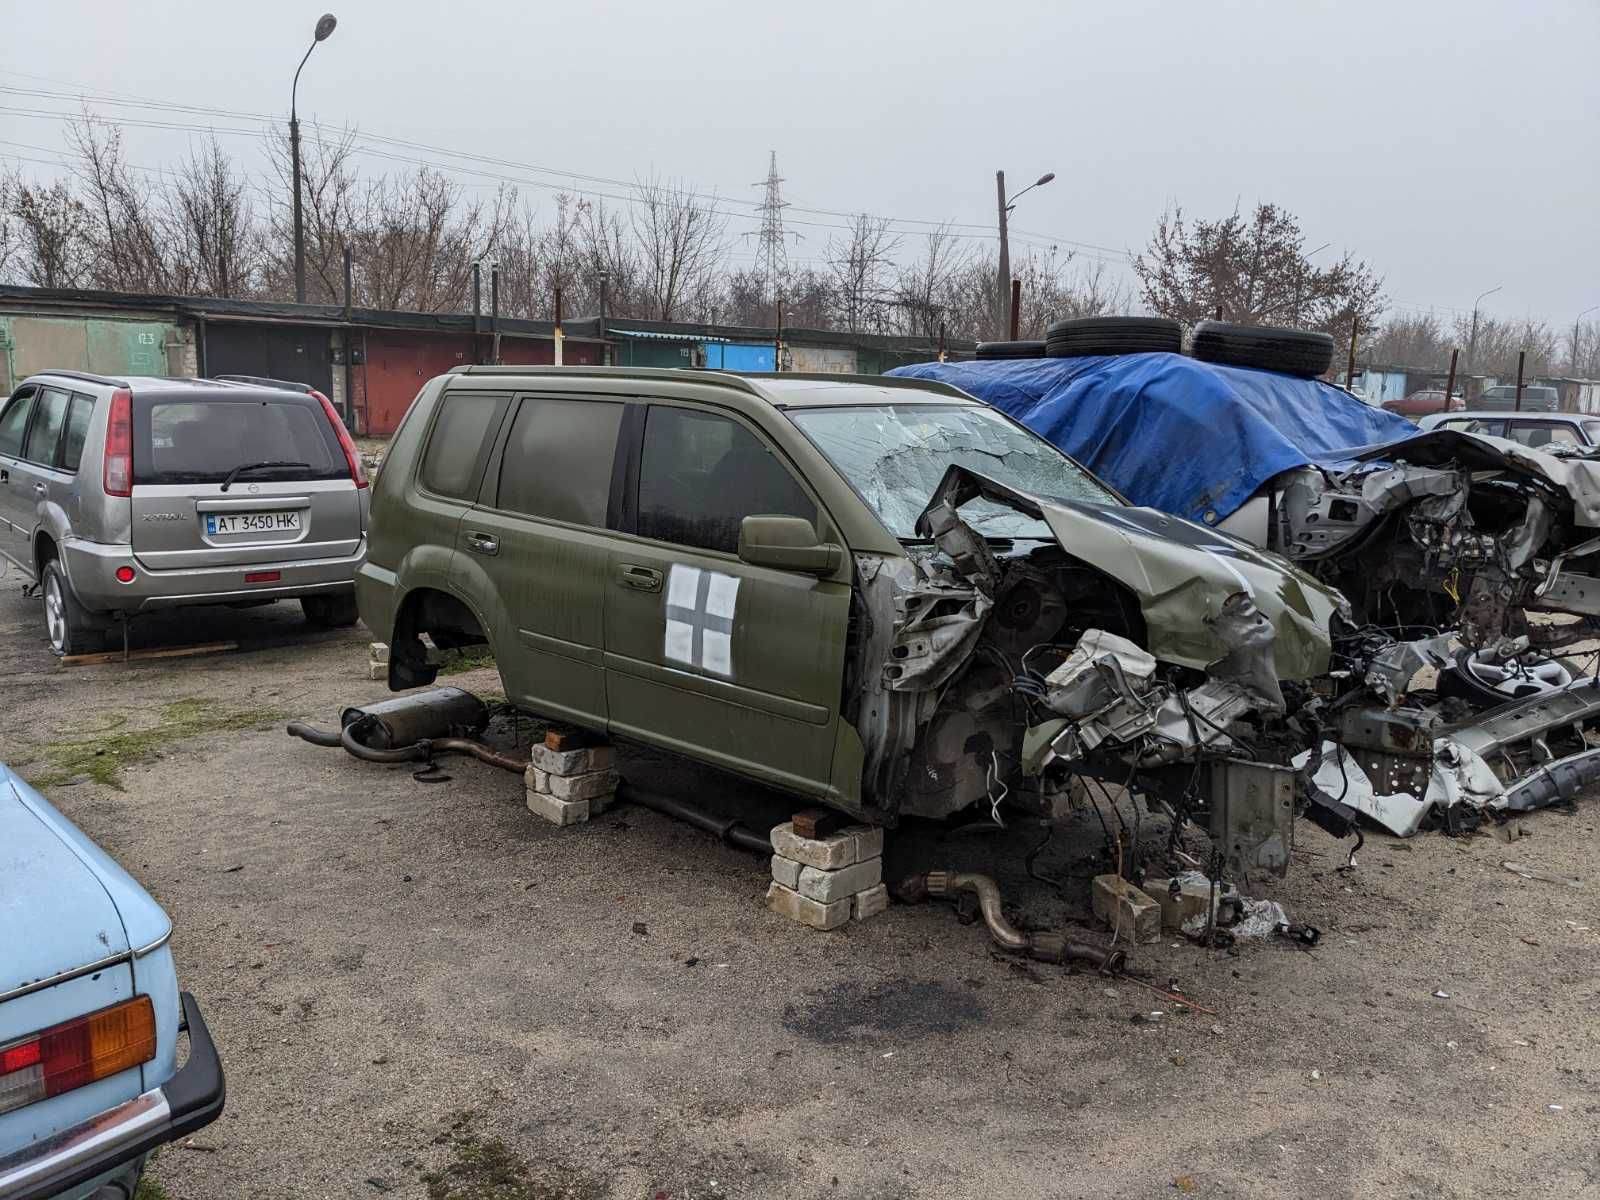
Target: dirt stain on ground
[486,1168]
[896,1009]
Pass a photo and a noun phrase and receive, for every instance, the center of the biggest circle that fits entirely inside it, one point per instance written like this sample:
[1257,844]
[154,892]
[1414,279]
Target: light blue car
[90,1015]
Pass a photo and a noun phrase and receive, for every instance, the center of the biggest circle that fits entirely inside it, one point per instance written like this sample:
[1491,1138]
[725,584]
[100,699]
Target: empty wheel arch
[449,623]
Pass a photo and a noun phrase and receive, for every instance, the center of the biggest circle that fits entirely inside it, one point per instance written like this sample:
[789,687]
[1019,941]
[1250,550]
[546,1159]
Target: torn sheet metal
[1181,573]
[1341,777]
[1461,776]
[1391,670]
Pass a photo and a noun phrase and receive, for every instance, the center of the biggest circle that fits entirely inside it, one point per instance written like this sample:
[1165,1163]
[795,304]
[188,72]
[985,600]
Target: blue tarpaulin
[1174,433]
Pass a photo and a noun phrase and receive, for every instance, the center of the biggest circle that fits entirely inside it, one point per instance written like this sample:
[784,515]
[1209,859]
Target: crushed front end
[1117,647]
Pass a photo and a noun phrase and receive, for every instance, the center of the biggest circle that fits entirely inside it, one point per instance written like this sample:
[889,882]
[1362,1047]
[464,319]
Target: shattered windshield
[895,455]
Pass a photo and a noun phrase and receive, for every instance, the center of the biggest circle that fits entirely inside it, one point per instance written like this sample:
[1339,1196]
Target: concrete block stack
[378,664]
[1132,914]
[571,777]
[824,876]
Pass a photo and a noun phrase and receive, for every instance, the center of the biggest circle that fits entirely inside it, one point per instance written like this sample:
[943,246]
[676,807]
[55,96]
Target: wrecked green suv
[877,593]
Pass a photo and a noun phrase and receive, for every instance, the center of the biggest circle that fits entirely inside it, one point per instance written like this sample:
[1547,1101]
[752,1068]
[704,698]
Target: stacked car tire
[1084,336]
[1301,352]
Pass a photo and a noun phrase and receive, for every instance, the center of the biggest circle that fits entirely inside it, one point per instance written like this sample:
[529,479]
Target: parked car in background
[121,496]
[1538,429]
[90,1016]
[1424,401]
[1535,398]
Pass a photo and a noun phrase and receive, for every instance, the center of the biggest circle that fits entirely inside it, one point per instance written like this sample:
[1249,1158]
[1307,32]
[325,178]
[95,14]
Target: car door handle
[646,579]
[5,475]
[483,543]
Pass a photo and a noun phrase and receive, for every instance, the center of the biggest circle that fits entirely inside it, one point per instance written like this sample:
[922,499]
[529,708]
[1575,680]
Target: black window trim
[475,486]
[55,451]
[636,461]
[24,392]
[59,448]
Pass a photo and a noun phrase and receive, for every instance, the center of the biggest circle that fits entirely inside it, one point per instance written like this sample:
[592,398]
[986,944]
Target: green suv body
[853,589]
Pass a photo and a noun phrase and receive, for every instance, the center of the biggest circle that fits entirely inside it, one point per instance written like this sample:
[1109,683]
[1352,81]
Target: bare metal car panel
[1182,574]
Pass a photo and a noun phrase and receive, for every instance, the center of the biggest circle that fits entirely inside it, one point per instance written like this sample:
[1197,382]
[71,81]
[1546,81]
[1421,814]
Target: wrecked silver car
[1470,565]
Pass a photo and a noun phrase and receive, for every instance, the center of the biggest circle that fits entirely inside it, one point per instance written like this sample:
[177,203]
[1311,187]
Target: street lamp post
[1002,308]
[1472,340]
[325,26]
[1576,322]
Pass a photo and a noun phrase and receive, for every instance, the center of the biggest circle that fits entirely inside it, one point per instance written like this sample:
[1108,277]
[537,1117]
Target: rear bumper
[91,568]
[189,1100]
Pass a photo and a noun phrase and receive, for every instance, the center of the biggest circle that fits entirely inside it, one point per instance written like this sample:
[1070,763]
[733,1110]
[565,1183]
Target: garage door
[276,352]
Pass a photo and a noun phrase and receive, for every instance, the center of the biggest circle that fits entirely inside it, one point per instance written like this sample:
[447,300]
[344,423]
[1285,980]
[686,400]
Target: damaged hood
[1182,573]
[1577,478]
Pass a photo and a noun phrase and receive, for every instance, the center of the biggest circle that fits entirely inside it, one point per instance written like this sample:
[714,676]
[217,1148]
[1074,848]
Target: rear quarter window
[77,431]
[458,444]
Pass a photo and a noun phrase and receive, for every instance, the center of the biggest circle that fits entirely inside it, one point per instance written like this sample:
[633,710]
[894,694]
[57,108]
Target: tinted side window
[702,475]
[13,423]
[453,461]
[558,460]
[77,431]
[45,432]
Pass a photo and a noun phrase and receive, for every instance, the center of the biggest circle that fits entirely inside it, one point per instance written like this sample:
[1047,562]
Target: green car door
[705,654]
[534,551]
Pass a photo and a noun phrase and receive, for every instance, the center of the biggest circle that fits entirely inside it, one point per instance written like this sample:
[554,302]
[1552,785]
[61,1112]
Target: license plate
[227,524]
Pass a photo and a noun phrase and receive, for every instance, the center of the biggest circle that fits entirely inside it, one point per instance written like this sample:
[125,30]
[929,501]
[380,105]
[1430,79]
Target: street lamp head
[1045,178]
[325,25]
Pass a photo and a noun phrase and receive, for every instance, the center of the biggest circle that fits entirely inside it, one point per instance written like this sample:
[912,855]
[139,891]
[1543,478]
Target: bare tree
[681,249]
[1252,270]
[1499,341]
[1406,340]
[858,268]
[8,238]
[54,234]
[1583,352]
[605,247]
[332,199]
[924,287]
[209,224]
[129,255]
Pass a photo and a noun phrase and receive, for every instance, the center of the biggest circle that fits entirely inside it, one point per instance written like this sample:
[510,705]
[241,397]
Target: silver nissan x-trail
[121,496]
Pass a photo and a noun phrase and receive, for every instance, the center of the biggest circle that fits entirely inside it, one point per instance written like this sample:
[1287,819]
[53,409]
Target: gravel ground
[420,990]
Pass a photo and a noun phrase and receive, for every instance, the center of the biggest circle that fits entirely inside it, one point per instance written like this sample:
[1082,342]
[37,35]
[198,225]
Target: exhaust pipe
[1046,947]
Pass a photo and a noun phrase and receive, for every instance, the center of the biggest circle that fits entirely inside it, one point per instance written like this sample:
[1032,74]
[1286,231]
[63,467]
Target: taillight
[125,574]
[69,1055]
[118,477]
[352,456]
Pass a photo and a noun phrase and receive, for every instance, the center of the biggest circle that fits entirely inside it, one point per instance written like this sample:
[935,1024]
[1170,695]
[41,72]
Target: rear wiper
[258,466]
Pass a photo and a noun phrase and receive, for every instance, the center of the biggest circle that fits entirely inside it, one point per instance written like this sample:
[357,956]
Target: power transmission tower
[772,256]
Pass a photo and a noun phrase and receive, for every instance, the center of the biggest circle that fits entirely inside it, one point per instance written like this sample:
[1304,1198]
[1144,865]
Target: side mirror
[787,544]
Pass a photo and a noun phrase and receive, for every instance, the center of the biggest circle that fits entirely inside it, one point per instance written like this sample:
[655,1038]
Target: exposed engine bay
[1452,530]
[1221,686]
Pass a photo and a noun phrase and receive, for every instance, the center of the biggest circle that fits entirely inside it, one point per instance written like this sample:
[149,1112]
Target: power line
[127,100]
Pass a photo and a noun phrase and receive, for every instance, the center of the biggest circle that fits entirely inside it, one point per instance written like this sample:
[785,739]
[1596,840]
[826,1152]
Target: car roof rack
[85,376]
[744,381]
[288,385]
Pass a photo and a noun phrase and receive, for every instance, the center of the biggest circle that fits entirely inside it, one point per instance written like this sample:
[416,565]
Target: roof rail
[86,377]
[910,384]
[288,385]
[727,379]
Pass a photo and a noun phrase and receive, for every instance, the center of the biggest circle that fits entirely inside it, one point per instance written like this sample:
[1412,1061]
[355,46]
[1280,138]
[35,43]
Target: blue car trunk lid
[55,913]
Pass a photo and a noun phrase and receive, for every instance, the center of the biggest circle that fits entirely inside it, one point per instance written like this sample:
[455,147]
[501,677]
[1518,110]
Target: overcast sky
[1454,144]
